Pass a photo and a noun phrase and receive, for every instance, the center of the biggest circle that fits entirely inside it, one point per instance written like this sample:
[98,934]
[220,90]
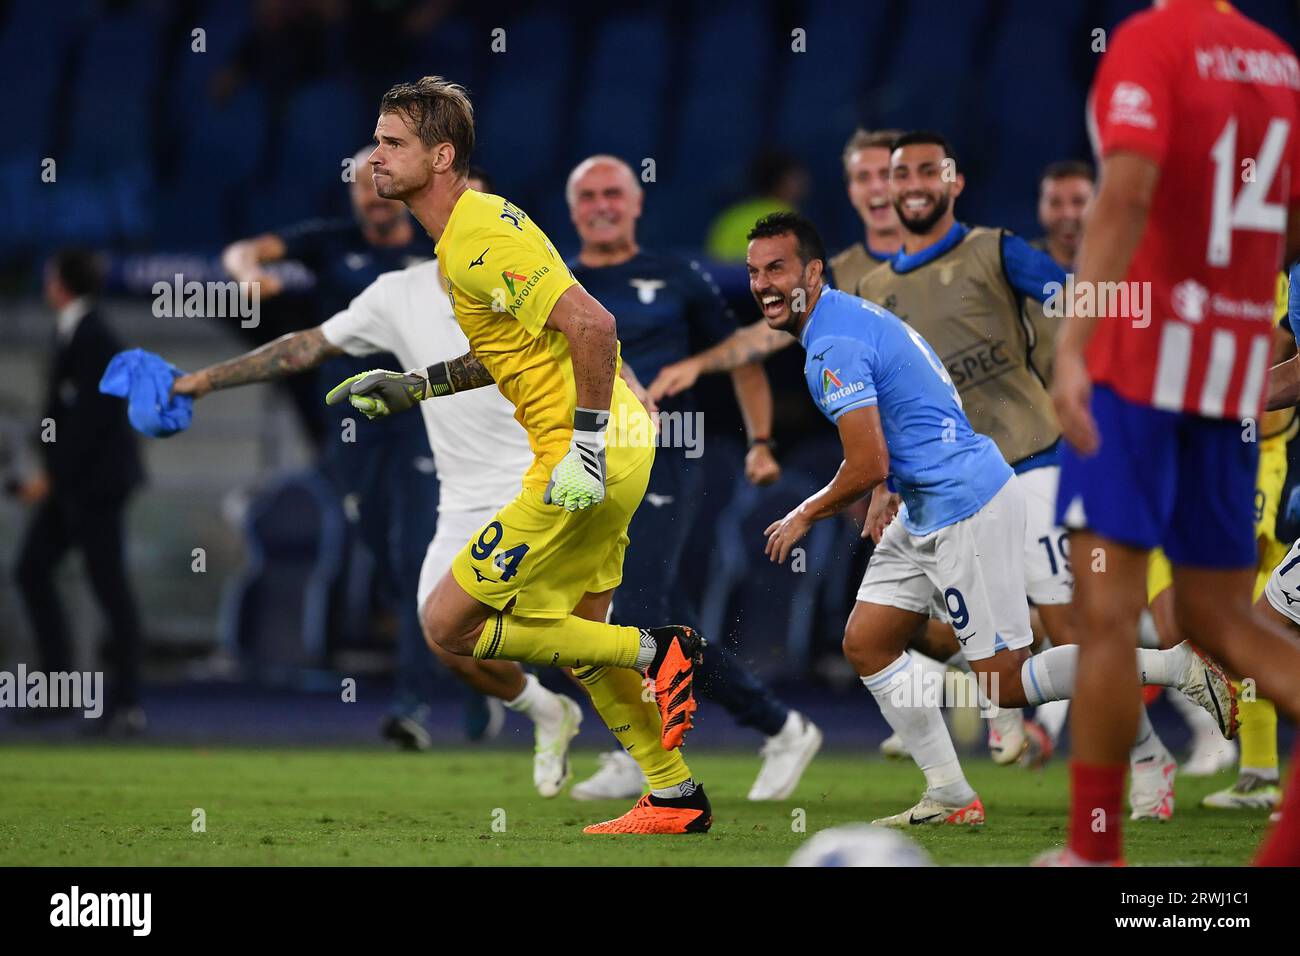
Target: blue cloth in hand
[145,381]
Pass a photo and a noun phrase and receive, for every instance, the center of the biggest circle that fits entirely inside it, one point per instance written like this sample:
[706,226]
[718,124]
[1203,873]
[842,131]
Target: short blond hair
[870,139]
[439,111]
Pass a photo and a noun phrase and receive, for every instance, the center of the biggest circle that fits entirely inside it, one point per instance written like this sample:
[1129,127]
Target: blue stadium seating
[295,533]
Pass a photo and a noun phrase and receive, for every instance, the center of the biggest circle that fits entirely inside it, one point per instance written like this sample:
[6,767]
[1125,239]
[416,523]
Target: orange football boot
[673,672]
[652,815]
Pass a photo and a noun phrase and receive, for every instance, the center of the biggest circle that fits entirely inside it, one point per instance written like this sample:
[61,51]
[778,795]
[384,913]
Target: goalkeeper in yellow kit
[535,584]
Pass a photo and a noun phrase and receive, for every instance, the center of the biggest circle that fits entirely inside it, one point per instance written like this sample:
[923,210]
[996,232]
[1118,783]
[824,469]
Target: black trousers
[97,531]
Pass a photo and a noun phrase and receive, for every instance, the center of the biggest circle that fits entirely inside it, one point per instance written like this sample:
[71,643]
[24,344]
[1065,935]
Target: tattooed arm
[457,375]
[287,355]
[742,347]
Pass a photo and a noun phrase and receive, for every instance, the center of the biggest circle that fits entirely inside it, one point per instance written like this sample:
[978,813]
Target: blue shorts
[1164,479]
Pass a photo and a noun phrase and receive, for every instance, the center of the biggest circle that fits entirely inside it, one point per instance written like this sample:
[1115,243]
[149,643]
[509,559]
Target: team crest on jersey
[646,289]
[1188,299]
[1130,105]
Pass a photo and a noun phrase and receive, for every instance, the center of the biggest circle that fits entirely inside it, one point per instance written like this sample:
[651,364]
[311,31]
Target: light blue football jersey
[859,354]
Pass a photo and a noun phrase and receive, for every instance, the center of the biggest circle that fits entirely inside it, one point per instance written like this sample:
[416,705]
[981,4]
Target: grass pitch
[135,805]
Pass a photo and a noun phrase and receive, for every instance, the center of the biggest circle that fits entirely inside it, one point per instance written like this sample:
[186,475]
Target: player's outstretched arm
[754,396]
[1283,385]
[287,355]
[243,260]
[742,347]
[865,465]
[380,392]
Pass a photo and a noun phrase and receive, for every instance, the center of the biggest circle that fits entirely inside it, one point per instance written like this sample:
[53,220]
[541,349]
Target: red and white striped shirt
[1214,99]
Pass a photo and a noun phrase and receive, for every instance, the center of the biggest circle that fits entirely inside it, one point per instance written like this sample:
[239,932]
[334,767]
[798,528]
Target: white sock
[1051,717]
[921,730]
[1198,719]
[1050,675]
[536,701]
[927,664]
[1163,667]
[1147,746]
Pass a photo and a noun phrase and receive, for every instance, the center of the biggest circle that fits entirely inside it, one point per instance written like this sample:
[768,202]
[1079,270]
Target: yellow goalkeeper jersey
[503,277]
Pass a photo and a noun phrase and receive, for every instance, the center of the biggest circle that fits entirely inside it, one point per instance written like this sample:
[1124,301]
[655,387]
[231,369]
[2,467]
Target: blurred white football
[859,844]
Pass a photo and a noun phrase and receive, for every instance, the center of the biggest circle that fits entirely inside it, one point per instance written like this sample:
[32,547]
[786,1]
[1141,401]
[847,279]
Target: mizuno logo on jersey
[479,260]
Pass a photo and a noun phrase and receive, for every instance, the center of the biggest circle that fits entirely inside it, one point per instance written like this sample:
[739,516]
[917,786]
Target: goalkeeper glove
[578,480]
[378,392]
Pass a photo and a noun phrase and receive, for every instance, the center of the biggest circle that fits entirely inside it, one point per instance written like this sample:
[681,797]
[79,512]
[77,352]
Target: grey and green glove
[378,392]
[578,480]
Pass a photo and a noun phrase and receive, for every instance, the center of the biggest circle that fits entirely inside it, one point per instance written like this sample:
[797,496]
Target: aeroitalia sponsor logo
[833,389]
[510,278]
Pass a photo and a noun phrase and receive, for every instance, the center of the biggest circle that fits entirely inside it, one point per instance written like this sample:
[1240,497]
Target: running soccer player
[866,176]
[534,585]
[666,307]
[960,528]
[479,453]
[395,500]
[1151,403]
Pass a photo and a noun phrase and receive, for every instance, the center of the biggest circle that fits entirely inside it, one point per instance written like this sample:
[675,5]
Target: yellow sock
[1258,733]
[617,695]
[563,642]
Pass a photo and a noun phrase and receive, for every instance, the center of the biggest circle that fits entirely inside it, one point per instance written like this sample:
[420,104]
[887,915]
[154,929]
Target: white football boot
[929,811]
[551,769]
[1151,788]
[619,778]
[1007,740]
[785,757]
[1206,684]
[1250,792]
[893,748]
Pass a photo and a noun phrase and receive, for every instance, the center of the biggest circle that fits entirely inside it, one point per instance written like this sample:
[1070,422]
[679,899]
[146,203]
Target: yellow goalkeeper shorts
[538,560]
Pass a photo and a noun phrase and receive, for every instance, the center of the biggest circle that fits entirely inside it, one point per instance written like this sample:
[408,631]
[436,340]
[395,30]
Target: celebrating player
[866,176]
[666,306]
[479,452]
[535,584]
[1151,399]
[960,529]
[1065,192]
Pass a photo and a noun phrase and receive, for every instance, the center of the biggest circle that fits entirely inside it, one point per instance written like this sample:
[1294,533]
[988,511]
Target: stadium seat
[518,140]
[624,90]
[36,44]
[720,120]
[321,125]
[295,533]
[221,151]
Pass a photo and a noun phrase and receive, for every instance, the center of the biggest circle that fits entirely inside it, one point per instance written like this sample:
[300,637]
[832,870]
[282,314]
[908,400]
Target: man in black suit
[91,467]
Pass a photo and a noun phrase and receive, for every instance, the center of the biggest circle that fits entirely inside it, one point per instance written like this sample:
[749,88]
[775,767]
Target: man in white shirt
[480,455]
